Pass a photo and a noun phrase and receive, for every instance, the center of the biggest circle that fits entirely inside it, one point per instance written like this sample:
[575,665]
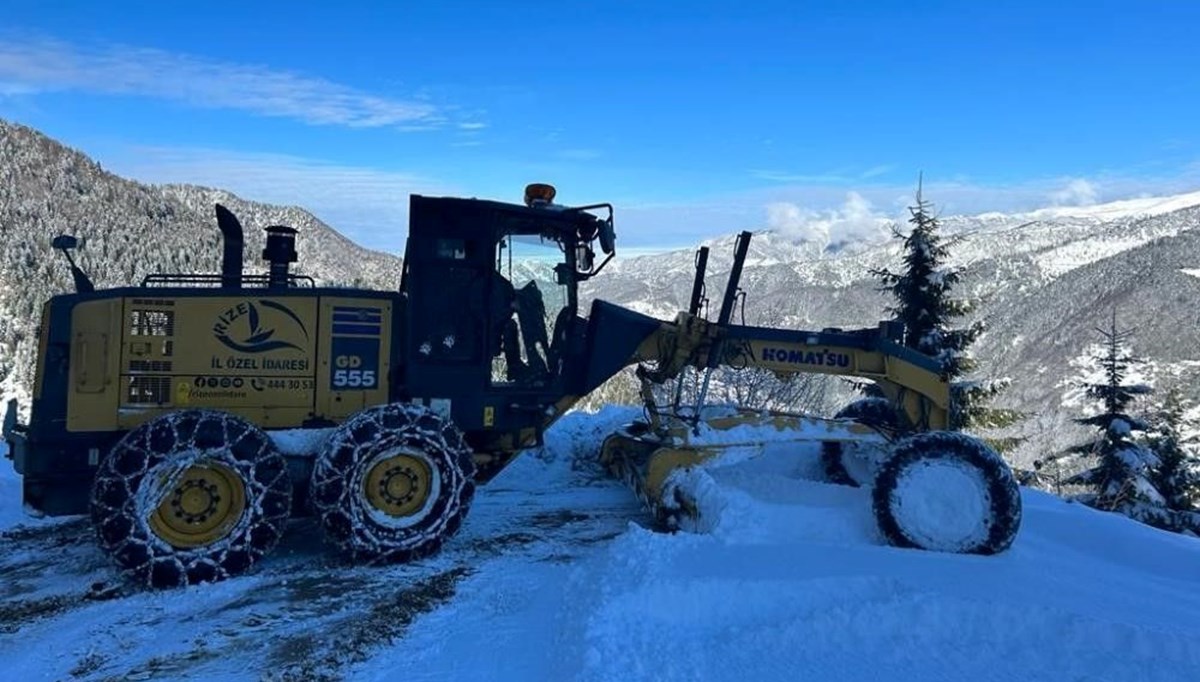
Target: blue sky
[694,118]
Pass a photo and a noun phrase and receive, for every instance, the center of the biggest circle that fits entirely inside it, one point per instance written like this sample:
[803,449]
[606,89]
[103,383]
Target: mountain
[129,230]
[996,250]
[1042,281]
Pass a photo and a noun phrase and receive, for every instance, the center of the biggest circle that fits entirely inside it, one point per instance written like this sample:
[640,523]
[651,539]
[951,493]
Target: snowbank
[561,582]
[300,442]
[1081,596]
[795,583]
[573,442]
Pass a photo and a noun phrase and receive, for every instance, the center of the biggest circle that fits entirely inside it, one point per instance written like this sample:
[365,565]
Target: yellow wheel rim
[205,504]
[398,485]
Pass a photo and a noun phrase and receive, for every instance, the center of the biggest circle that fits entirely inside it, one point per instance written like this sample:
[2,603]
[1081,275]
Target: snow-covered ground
[555,578]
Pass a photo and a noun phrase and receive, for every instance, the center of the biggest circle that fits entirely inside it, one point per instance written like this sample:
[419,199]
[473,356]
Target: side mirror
[591,228]
[64,242]
[608,237]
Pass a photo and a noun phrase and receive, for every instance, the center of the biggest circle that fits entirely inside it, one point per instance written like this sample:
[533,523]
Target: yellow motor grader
[192,415]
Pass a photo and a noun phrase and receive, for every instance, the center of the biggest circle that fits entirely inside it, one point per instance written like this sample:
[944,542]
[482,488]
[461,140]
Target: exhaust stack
[280,253]
[231,260]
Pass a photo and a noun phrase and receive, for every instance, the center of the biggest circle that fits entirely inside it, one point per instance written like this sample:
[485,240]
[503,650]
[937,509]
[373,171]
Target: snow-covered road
[553,578]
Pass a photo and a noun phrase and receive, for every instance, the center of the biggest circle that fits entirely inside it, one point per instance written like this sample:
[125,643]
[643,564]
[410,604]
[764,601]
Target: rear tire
[393,483]
[191,497]
[947,492]
[856,464]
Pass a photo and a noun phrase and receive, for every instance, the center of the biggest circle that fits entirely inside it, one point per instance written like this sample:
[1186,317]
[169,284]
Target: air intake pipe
[231,260]
[280,253]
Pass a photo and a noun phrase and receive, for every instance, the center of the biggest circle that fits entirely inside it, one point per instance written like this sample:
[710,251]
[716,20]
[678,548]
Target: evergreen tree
[974,412]
[1121,478]
[1178,474]
[922,291]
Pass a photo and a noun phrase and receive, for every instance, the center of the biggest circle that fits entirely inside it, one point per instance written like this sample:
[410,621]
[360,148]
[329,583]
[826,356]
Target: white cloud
[854,220]
[684,222]
[44,65]
[1077,192]
[368,205]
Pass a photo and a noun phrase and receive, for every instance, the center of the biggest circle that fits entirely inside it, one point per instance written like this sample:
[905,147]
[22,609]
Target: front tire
[853,463]
[393,483]
[191,497]
[947,492]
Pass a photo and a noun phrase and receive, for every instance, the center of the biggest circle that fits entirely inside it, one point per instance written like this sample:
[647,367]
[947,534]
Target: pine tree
[1121,479]
[922,291]
[1177,476]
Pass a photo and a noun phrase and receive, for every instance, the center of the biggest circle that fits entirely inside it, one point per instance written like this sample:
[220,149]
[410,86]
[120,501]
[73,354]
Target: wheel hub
[205,504]
[398,485]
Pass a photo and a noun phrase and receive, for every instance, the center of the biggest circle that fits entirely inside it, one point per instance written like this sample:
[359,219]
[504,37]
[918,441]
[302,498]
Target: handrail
[200,279]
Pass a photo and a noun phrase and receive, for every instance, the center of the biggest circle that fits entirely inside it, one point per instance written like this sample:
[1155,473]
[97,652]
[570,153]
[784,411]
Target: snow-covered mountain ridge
[1058,238]
[1041,281]
[1140,207]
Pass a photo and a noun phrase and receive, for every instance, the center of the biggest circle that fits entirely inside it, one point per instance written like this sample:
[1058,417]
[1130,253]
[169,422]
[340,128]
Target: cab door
[447,362]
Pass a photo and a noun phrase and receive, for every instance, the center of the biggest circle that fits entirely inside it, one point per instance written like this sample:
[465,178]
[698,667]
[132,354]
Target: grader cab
[193,415]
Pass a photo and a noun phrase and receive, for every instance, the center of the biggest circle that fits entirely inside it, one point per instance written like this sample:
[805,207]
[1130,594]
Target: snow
[760,429]
[1119,427]
[300,442]
[704,492]
[1088,368]
[939,504]
[1113,210]
[1146,491]
[555,578]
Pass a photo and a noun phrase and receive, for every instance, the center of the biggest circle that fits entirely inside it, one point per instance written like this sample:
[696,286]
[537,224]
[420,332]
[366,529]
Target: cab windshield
[527,309]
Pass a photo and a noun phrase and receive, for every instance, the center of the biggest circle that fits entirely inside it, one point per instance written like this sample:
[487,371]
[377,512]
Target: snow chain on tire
[999,501]
[879,414]
[344,470]
[141,474]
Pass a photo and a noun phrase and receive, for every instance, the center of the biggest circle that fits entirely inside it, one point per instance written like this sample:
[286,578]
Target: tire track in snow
[306,613]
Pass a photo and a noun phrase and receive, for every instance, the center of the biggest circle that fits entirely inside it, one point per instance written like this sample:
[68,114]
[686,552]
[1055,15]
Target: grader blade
[649,460]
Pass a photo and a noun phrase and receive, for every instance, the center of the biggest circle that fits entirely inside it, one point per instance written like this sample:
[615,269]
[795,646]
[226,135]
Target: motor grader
[192,415]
